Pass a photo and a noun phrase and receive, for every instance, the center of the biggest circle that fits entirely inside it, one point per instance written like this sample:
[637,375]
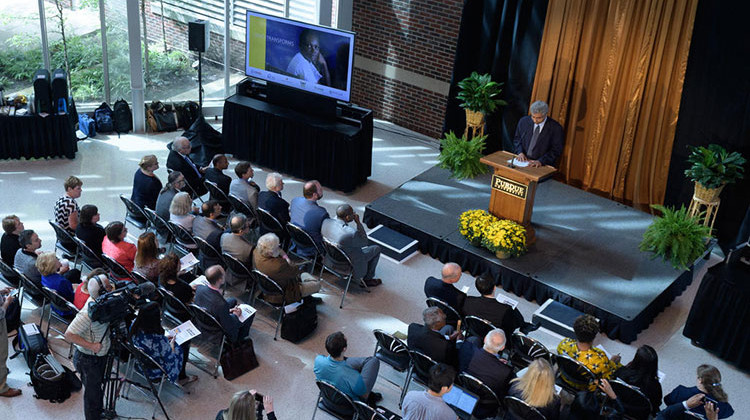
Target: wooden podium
[513,190]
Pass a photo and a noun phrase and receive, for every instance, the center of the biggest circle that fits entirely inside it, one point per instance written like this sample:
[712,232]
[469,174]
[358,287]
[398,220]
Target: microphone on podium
[512,165]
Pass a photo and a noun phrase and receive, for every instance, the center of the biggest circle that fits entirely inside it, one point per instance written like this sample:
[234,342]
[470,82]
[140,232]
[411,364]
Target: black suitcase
[42,92]
[60,97]
[30,345]
[300,323]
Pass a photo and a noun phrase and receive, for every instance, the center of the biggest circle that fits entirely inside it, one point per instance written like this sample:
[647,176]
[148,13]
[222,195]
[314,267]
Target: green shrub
[462,156]
[713,167]
[675,236]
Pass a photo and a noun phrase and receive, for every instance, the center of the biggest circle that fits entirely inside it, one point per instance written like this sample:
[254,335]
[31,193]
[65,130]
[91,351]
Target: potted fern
[711,169]
[462,156]
[675,236]
[479,97]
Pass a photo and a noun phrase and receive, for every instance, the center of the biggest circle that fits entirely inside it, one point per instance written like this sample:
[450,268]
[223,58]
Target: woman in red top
[114,245]
[82,291]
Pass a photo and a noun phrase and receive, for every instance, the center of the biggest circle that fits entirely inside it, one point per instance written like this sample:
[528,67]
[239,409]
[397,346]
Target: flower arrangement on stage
[472,223]
[505,237]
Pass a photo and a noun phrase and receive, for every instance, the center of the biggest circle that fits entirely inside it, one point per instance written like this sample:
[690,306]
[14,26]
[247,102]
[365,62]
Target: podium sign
[513,189]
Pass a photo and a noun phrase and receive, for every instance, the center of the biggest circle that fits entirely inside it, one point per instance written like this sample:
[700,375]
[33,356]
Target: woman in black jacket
[642,372]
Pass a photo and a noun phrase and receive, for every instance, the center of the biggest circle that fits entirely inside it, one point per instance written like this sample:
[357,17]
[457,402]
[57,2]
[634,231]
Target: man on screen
[309,64]
[539,139]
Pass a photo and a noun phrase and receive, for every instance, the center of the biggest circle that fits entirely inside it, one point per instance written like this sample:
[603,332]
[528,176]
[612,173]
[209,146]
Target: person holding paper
[147,334]
[169,267]
[211,298]
[539,139]
[488,308]
[429,404]
[586,328]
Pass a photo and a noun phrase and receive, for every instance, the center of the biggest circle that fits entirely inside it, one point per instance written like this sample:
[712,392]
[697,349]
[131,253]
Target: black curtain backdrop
[715,108]
[501,38]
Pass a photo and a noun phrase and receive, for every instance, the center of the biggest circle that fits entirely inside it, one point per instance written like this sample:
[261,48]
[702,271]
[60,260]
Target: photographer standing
[92,343]
[5,390]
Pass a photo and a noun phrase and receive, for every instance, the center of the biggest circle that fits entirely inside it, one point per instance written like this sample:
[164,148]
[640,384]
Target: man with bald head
[307,214]
[445,290]
[210,297]
[353,241]
[179,160]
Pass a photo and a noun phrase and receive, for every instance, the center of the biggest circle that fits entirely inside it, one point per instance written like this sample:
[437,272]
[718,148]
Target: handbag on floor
[238,359]
[299,324]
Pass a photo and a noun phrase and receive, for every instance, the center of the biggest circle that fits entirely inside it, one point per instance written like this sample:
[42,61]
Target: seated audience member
[353,241]
[245,407]
[486,365]
[115,246]
[707,389]
[52,270]
[488,308]
[272,202]
[435,338]
[308,215]
[429,404]
[179,211]
[147,256]
[244,187]
[175,183]
[207,226]
[354,376]
[25,260]
[582,349]
[216,175]
[270,259]
[66,207]
[90,232]
[537,389]
[444,289]
[642,372]
[589,405]
[82,291]
[179,160]
[226,311]
[147,334]
[12,227]
[146,185]
[169,267]
[235,244]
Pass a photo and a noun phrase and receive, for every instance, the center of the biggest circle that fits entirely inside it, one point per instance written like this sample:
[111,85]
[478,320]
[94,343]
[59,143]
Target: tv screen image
[299,55]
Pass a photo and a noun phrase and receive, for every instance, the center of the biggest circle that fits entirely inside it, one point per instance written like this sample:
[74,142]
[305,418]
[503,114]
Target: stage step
[557,317]
[394,246]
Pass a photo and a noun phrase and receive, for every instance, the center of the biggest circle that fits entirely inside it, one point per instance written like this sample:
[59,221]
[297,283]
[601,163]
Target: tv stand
[299,100]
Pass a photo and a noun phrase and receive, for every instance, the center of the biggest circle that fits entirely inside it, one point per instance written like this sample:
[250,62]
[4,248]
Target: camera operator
[92,342]
[248,405]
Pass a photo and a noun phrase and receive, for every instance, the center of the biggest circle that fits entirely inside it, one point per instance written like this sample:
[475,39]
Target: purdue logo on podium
[509,187]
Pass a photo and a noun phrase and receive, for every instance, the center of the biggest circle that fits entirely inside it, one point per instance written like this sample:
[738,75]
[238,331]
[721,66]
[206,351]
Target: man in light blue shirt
[354,376]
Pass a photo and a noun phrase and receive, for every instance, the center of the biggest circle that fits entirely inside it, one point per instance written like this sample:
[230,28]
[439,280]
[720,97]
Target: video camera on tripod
[121,302]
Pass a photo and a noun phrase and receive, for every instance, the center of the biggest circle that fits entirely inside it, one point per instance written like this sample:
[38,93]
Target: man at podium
[539,139]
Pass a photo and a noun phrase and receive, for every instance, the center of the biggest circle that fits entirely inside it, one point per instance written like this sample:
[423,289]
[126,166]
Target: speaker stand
[200,81]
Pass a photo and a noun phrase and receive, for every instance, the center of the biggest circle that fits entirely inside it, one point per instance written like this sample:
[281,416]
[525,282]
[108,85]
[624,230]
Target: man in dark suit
[216,175]
[307,214]
[488,308]
[486,365]
[445,290]
[179,160]
[435,338]
[272,202]
[226,312]
[539,139]
[207,227]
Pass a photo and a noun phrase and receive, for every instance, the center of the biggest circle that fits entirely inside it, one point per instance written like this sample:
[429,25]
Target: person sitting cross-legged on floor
[429,404]
[354,376]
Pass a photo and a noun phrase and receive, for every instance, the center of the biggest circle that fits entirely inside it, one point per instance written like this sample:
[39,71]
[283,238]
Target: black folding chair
[145,365]
[340,265]
[393,352]
[116,270]
[134,213]
[215,193]
[161,226]
[476,327]
[365,412]
[240,272]
[451,314]
[209,327]
[419,370]
[183,238]
[208,252]
[240,207]
[520,410]
[174,310]
[269,288]
[138,277]
[10,277]
[334,402]
[574,376]
[488,404]
[61,304]
[272,224]
[65,242]
[33,293]
[637,406]
[304,240]
[90,258]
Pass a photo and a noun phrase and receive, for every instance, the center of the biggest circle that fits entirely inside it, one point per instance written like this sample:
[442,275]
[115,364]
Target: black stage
[586,254]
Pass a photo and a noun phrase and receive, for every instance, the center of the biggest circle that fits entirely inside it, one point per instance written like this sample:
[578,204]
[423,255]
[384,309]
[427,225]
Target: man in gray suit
[353,241]
[237,246]
[244,187]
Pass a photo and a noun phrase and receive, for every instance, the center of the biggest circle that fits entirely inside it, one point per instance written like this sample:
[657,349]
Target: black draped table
[719,320]
[337,154]
[32,136]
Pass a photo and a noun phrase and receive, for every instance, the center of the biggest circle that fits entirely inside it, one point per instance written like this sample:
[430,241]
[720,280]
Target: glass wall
[20,45]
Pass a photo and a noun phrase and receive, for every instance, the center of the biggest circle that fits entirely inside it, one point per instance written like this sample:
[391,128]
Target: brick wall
[418,36]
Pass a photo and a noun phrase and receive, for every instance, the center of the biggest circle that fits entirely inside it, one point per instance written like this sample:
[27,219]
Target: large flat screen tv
[312,58]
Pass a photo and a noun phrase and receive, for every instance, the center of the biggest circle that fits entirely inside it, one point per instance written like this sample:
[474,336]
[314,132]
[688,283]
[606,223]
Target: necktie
[532,144]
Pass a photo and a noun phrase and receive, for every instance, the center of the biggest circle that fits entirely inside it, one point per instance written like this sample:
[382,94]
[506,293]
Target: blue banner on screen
[299,55]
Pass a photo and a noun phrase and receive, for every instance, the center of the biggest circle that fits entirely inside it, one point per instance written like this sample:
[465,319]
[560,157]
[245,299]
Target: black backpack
[187,113]
[104,118]
[60,92]
[123,116]
[299,324]
[49,383]
[42,92]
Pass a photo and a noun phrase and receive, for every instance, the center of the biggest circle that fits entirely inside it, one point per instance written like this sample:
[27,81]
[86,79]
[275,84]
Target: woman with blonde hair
[537,388]
[244,407]
[52,271]
[179,211]
[146,185]
[146,257]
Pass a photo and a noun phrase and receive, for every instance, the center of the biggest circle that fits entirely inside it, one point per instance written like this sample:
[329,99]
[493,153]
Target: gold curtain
[612,73]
